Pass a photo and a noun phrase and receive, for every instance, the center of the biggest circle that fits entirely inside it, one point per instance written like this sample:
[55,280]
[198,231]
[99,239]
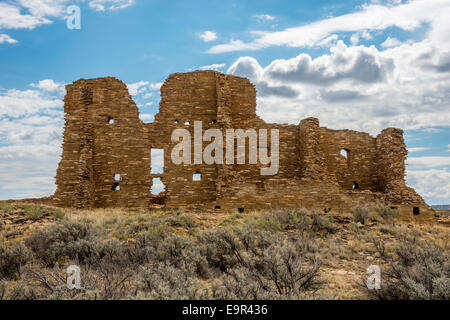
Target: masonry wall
[312,171]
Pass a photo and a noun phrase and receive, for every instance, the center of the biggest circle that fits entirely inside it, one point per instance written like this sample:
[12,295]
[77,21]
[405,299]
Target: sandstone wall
[104,137]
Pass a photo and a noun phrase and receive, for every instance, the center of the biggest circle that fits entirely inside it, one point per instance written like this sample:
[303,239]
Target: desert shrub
[285,219]
[292,219]
[281,271]
[181,220]
[220,247]
[360,214]
[5,206]
[34,212]
[57,213]
[71,239]
[321,222]
[20,291]
[11,259]
[163,281]
[386,213]
[416,271]
[180,250]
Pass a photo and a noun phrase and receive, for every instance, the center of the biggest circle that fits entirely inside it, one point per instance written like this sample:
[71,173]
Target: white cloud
[28,170]
[4,38]
[431,184]
[427,162]
[138,87]
[208,36]
[45,8]
[264,17]
[355,37]
[215,66]
[373,17]
[155,86]
[31,124]
[418,149]
[12,18]
[49,85]
[391,42]
[102,5]
[146,117]
[17,103]
[359,87]
[29,14]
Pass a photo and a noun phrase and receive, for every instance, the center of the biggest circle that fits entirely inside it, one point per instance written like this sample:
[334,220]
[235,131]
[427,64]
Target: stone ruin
[106,159]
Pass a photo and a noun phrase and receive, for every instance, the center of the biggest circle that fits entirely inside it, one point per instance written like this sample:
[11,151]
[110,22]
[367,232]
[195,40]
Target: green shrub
[386,213]
[71,239]
[34,212]
[183,221]
[281,271]
[220,247]
[57,213]
[12,259]
[360,214]
[163,281]
[5,206]
[416,271]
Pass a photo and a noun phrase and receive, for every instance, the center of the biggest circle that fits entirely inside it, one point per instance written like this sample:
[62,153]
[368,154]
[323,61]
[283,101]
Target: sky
[361,65]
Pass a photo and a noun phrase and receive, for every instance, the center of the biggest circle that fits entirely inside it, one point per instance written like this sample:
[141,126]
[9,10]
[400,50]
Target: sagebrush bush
[71,239]
[11,259]
[293,219]
[386,212]
[163,281]
[361,214]
[280,271]
[220,247]
[417,271]
[34,212]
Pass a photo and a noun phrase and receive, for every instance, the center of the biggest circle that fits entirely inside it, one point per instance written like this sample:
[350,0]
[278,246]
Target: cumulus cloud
[372,17]
[17,103]
[427,162]
[250,68]
[390,42]
[208,36]
[138,87]
[358,87]
[433,184]
[49,85]
[31,124]
[28,170]
[4,38]
[361,64]
[12,18]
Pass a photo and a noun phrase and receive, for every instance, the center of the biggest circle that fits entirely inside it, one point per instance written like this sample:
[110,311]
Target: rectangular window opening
[196,177]
[117,177]
[157,161]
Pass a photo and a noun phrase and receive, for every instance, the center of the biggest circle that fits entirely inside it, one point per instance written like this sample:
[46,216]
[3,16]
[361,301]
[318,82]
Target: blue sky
[363,65]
